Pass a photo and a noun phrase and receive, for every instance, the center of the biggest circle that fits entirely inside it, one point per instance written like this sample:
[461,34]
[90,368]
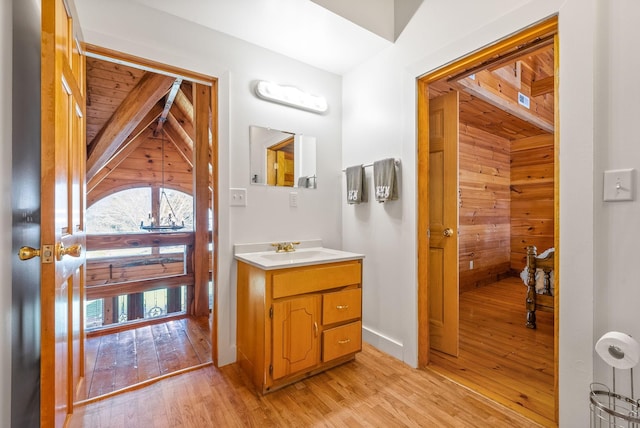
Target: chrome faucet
[285,247]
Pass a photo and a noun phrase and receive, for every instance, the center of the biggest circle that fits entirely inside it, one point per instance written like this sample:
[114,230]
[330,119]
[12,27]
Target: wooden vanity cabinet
[299,321]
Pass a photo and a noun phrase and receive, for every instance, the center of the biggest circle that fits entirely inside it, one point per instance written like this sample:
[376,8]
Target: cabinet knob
[342,307]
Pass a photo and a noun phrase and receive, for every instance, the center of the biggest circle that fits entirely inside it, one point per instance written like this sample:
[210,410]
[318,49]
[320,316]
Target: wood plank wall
[143,167]
[485,207]
[532,221]
[107,270]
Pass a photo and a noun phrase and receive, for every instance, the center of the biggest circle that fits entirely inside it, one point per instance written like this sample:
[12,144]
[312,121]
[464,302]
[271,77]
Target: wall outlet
[238,197]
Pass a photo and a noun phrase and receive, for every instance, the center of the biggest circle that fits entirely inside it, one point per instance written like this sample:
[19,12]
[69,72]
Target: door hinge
[271,312]
[428,233]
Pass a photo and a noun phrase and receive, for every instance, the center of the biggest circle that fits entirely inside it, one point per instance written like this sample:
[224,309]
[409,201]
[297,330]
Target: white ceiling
[299,29]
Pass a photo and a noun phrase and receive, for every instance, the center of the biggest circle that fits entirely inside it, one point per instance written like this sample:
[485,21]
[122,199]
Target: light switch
[238,197]
[618,185]
[293,199]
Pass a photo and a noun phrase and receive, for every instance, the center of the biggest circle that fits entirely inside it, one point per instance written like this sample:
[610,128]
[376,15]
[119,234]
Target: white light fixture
[291,96]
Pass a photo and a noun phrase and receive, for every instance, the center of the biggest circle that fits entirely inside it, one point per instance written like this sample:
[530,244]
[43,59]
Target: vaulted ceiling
[134,118]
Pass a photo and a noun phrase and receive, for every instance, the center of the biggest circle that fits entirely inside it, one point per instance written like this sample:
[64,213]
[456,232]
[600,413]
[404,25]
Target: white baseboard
[383,343]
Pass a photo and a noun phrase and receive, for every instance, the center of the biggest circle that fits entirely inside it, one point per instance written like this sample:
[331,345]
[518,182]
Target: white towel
[356,189]
[384,178]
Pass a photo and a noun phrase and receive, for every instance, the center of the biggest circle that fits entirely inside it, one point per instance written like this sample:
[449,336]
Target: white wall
[141,31]
[380,122]
[6,28]
[617,287]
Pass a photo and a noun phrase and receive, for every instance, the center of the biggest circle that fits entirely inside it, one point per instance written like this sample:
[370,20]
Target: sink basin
[295,255]
[255,254]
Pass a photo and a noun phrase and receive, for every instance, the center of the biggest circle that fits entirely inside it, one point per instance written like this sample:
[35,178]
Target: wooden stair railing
[113,276]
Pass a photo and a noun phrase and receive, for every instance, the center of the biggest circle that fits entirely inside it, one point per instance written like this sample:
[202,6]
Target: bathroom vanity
[299,313]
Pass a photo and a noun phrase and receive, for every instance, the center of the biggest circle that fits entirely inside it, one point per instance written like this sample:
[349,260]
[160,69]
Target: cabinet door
[295,335]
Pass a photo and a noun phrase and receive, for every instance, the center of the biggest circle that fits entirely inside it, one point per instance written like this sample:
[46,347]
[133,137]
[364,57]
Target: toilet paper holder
[608,408]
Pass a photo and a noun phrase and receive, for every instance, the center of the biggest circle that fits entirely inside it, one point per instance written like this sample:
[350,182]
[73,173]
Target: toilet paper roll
[619,350]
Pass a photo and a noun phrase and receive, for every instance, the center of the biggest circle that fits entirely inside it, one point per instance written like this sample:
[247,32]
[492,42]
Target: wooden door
[280,168]
[285,169]
[295,335]
[272,167]
[443,223]
[62,213]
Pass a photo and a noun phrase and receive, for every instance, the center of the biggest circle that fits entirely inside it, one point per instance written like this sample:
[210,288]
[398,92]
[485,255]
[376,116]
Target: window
[121,213]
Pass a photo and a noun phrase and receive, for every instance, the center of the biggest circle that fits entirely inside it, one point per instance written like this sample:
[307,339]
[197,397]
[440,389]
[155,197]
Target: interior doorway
[150,302]
[486,134]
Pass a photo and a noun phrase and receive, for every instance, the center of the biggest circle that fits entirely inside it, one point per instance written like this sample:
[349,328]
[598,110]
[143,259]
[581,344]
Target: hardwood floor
[118,360]
[499,356]
[375,390]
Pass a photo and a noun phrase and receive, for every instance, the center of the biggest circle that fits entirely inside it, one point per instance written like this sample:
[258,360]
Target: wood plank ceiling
[125,130]
[488,98]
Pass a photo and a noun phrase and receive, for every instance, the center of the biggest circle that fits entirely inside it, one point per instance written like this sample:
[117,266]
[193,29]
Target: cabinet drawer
[341,306]
[342,340]
[290,282]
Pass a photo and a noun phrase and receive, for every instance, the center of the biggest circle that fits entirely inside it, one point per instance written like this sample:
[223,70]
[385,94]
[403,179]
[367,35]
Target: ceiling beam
[182,120]
[116,160]
[124,120]
[184,103]
[167,105]
[184,146]
[128,146]
[503,103]
[497,61]
[542,86]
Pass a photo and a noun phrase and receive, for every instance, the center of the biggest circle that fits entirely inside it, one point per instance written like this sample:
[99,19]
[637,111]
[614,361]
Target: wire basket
[612,410]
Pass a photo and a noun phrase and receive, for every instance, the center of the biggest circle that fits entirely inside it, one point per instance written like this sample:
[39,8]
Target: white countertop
[311,252]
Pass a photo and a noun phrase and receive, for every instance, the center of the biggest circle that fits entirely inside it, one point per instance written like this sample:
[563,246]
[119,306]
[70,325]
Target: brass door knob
[448,232]
[74,251]
[27,253]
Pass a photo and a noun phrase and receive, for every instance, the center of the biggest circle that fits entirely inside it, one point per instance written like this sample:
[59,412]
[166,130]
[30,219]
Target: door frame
[157,67]
[476,59]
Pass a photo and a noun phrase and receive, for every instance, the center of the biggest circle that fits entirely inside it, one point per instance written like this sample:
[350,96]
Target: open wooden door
[62,233]
[443,226]
[285,169]
[280,163]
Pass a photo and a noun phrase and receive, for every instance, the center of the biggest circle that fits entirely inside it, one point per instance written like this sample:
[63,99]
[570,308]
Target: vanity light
[291,96]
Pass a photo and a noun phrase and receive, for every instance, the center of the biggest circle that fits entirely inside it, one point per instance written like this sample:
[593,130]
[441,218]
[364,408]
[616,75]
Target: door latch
[27,253]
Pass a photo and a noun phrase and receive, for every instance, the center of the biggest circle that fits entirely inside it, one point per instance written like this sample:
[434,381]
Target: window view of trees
[122,212]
